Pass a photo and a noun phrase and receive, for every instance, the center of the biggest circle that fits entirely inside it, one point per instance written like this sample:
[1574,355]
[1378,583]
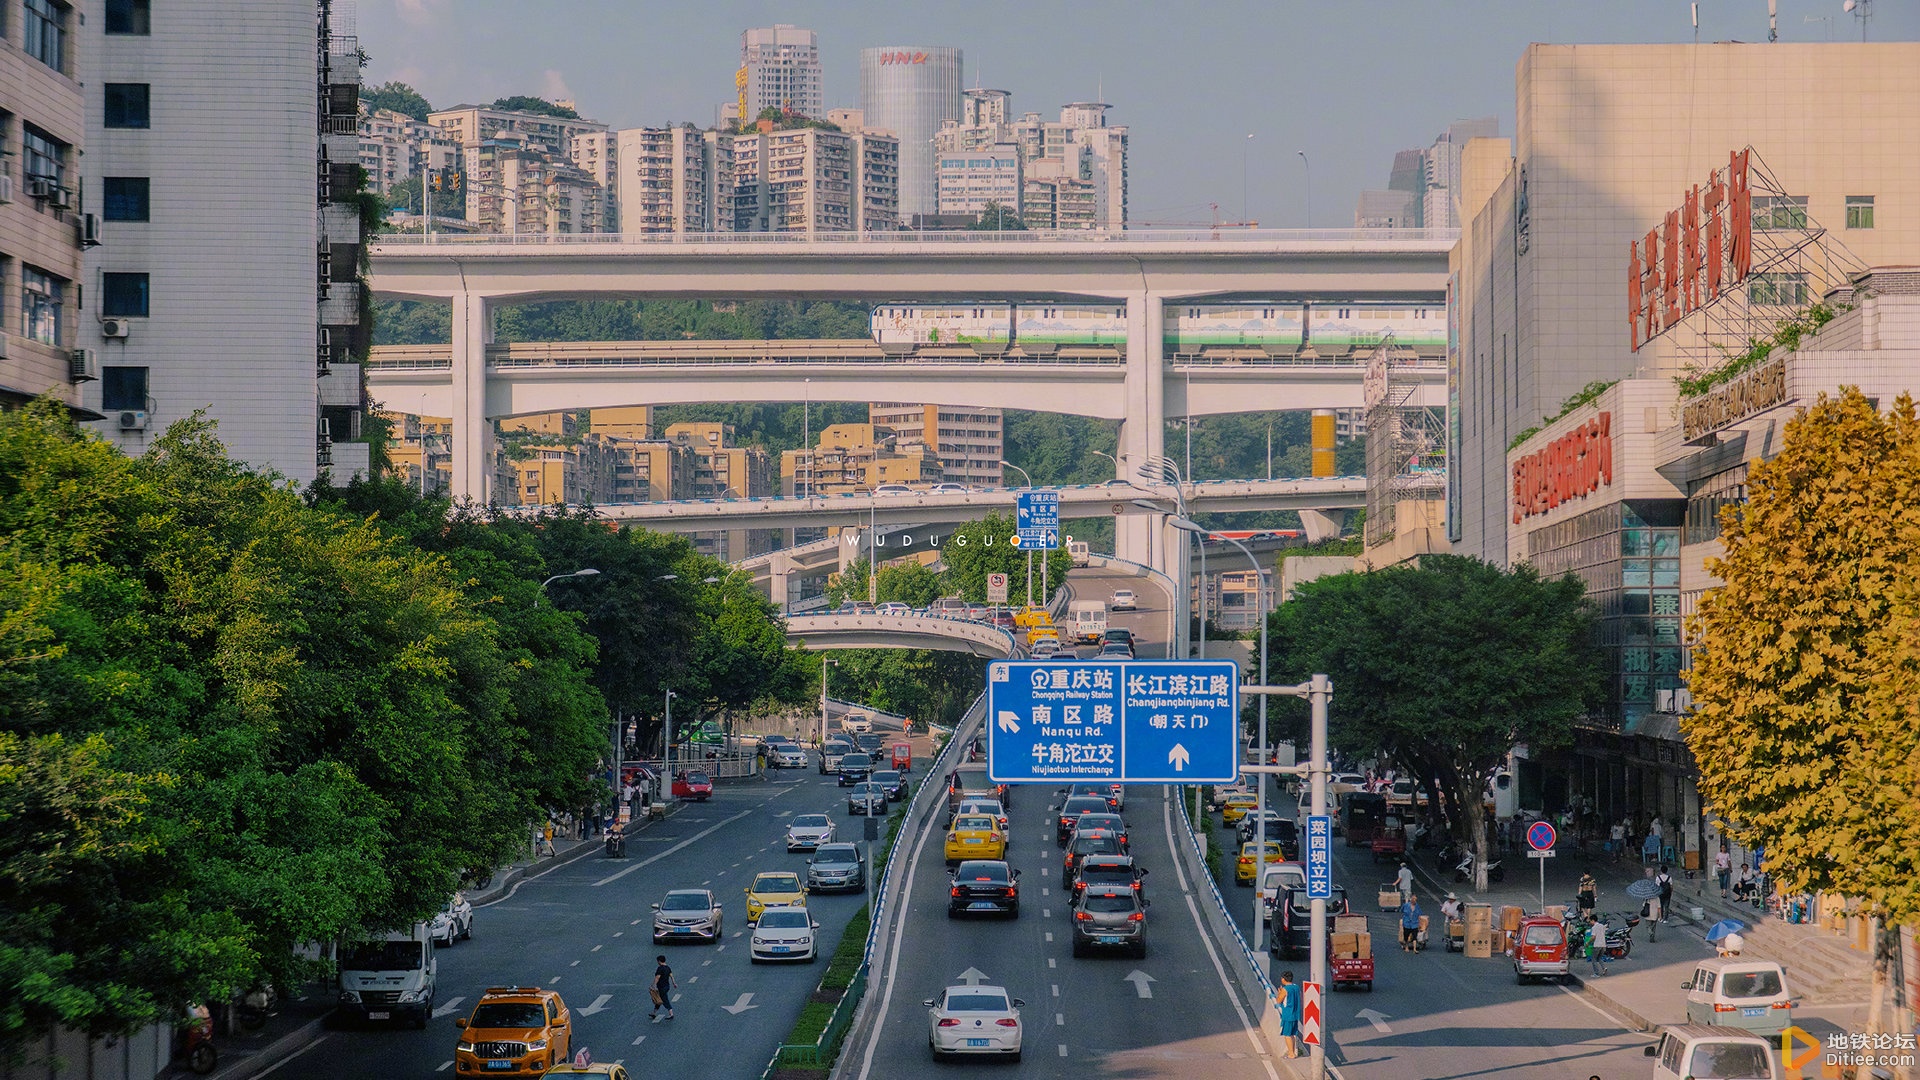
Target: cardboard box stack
[1510,917]
[1350,937]
[1479,920]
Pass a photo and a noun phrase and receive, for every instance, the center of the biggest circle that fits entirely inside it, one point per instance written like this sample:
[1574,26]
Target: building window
[1859,211]
[129,17]
[126,198]
[123,296]
[123,388]
[46,155]
[41,298]
[127,105]
[46,37]
[1779,211]
[1778,289]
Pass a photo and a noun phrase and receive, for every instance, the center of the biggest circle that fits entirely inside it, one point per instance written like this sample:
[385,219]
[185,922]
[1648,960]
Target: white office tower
[1440,200]
[909,91]
[780,68]
[226,278]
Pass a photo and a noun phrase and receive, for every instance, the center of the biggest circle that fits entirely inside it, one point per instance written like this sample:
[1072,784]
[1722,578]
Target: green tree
[1442,669]
[525,103]
[398,97]
[1805,723]
[997,218]
[923,684]
[911,583]
[740,658]
[979,548]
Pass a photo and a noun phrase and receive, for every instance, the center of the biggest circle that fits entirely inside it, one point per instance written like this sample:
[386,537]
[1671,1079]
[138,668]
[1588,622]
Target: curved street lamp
[588,572]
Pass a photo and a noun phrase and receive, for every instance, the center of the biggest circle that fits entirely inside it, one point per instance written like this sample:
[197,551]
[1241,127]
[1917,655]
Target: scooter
[1619,941]
[1447,857]
[1464,870]
[196,1050]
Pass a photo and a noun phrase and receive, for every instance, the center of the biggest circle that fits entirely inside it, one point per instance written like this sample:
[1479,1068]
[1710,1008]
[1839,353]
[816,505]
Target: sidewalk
[1644,989]
[302,1017]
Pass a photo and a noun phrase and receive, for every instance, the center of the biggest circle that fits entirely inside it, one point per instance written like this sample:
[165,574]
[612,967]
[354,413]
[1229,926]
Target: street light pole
[1246,215]
[588,572]
[1309,164]
[1260,805]
[666,755]
[824,661]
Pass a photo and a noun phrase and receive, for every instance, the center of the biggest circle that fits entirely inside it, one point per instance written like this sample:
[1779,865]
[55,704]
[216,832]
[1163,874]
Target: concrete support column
[778,578]
[1323,524]
[1143,431]
[472,431]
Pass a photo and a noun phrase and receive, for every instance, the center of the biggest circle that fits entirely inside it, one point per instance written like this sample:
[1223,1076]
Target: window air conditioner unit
[81,366]
[89,230]
[115,328]
[133,420]
[41,187]
[6,189]
[60,198]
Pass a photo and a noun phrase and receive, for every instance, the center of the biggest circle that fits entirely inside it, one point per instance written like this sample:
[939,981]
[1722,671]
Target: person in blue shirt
[1290,995]
[1410,924]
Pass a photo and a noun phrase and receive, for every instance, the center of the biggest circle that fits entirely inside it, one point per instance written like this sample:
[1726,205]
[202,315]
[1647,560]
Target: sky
[1347,83]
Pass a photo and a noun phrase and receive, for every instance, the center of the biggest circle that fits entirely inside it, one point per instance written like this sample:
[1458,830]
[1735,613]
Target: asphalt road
[585,930]
[1436,1015]
[1170,1015]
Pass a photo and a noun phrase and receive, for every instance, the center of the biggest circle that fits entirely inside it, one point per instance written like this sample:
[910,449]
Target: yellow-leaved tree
[1804,678]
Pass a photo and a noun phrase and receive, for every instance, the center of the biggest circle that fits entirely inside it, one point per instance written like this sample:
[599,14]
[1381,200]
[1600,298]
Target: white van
[1087,620]
[1711,1053]
[1078,551]
[1748,994]
[390,977]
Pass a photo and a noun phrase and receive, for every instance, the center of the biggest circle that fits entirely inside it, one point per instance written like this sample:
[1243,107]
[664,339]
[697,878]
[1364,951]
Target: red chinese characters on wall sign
[1572,466]
[903,58]
[1664,270]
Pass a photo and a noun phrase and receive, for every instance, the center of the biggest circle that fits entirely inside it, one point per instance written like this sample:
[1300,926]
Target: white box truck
[390,977]
[1087,620]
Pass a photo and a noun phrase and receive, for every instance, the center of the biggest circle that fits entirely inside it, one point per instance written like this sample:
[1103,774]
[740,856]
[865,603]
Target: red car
[692,785]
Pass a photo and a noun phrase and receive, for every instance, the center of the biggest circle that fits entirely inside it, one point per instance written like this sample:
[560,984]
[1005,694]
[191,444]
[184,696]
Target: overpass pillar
[472,431]
[779,572]
[1323,524]
[1143,429]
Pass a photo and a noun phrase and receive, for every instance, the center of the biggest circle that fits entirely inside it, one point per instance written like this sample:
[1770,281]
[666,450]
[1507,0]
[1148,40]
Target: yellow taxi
[975,836]
[775,888]
[1243,871]
[606,1072]
[1236,807]
[514,1031]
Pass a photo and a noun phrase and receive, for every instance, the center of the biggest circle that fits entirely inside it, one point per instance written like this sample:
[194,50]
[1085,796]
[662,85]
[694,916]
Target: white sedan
[809,831]
[784,934]
[787,756]
[974,1020]
[1123,600]
[453,922]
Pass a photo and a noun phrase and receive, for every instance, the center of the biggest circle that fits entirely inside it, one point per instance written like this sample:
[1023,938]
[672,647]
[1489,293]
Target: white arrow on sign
[599,1005]
[973,976]
[1377,1019]
[1140,979]
[1178,757]
[742,1005]
[1009,721]
[447,1006]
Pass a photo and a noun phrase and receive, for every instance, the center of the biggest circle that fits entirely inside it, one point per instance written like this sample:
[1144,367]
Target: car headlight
[463,1047]
[803,941]
[349,997]
[408,997]
[541,1045]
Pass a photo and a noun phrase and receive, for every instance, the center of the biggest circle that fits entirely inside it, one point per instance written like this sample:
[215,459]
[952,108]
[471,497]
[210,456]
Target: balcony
[341,305]
[341,386]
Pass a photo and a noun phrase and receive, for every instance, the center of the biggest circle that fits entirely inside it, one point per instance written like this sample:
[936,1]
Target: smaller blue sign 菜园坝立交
[1319,853]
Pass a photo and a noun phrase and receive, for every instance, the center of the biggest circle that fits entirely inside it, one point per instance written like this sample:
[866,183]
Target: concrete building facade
[43,128]
[969,440]
[1065,174]
[226,280]
[909,91]
[395,148]
[780,69]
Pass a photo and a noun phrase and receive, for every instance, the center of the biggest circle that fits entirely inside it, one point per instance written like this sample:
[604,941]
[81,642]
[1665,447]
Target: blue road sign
[1540,836]
[1038,510]
[1036,540]
[1319,857]
[1135,722]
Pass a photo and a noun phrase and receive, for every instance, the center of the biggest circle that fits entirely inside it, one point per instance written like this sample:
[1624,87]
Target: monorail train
[1331,328]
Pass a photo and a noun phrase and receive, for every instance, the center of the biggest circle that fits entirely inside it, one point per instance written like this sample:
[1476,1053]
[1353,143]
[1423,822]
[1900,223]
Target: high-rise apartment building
[1387,210]
[780,69]
[674,180]
[909,92]
[797,179]
[469,125]
[514,187]
[722,470]
[226,280]
[969,440]
[43,125]
[395,148]
[856,457]
[1430,178]
[1069,174]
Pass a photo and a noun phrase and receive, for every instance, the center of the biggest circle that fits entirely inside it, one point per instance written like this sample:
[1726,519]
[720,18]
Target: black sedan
[984,886]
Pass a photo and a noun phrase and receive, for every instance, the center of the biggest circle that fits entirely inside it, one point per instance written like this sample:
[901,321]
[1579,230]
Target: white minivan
[1748,994]
[1701,1052]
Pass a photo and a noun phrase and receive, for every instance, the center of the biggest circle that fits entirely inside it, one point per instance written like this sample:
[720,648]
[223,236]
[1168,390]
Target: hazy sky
[1349,83]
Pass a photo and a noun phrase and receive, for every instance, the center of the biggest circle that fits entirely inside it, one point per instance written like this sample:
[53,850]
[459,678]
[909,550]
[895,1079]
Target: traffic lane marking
[617,875]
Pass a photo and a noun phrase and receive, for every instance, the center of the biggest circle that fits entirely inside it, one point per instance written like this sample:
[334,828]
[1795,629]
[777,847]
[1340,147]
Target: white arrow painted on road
[1140,979]
[1178,757]
[742,1005]
[1009,721]
[783,813]
[599,1005]
[973,976]
[450,1005]
[1377,1019]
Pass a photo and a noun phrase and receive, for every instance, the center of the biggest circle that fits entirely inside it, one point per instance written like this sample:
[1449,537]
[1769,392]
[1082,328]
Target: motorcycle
[1464,869]
[196,1050]
[1619,940]
[1447,857]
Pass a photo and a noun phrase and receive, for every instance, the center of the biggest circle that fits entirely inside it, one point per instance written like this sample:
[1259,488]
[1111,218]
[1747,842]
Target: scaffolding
[1406,441]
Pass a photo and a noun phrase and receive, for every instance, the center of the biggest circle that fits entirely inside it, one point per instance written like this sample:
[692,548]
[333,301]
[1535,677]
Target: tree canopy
[397,97]
[527,103]
[1442,668]
[1805,723]
[995,217]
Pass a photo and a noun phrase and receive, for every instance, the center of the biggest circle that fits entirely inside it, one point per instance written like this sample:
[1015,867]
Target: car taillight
[1720,1008]
[1782,1005]
[948,1021]
[1136,888]
[1137,917]
[956,890]
[1008,1023]
[1083,916]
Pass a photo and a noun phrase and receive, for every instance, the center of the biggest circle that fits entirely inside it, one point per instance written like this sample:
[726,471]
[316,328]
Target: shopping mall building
[1661,206]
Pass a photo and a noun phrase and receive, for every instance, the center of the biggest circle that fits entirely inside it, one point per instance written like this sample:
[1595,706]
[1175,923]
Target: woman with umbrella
[1648,890]
[1725,934]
